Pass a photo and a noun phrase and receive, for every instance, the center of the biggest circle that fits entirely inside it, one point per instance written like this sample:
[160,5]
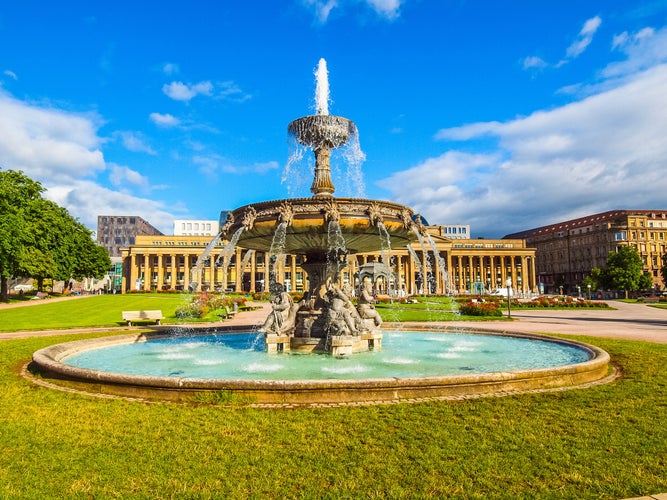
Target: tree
[17,194]
[40,239]
[623,270]
[594,280]
[664,270]
[645,281]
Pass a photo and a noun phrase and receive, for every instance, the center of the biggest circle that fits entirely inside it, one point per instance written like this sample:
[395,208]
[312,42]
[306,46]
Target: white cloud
[164,120]
[585,37]
[605,151]
[135,141]
[389,9]
[385,9]
[534,62]
[48,143]
[62,150]
[180,91]
[212,164]
[10,74]
[576,48]
[642,49]
[86,200]
[121,176]
[170,69]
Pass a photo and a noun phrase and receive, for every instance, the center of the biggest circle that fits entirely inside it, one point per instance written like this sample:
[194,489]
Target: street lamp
[589,292]
[509,289]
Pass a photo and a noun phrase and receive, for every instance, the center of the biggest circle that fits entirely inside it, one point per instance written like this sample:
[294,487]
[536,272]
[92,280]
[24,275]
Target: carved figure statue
[366,305]
[340,318]
[283,315]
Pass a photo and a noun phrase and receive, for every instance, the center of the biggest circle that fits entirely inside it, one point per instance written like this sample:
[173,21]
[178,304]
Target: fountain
[324,231]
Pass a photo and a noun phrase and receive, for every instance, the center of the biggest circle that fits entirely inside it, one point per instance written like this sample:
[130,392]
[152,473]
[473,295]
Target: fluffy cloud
[605,151]
[86,200]
[63,151]
[164,120]
[122,176]
[48,143]
[180,91]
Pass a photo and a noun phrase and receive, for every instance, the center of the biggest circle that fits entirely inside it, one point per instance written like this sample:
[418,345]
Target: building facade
[196,228]
[567,251]
[119,231]
[442,266]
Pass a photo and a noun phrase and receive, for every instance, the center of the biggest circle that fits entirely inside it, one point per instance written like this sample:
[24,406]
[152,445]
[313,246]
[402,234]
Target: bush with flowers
[480,309]
[202,304]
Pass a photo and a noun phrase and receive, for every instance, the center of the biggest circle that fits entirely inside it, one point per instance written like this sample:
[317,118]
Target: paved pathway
[624,321]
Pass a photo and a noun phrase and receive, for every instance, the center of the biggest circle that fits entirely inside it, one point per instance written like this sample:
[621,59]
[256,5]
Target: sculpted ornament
[249,218]
[375,214]
[285,213]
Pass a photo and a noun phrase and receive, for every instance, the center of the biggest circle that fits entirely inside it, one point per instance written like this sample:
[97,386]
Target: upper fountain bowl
[322,130]
[306,221]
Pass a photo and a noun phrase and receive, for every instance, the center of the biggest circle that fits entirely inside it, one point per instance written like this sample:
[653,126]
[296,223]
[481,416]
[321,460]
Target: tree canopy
[40,239]
[624,270]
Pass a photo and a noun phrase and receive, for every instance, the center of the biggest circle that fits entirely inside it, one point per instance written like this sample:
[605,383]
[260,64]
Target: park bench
[228,314]
[135,316]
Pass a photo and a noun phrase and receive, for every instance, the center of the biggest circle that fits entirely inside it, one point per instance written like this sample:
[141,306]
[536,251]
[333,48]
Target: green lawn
[603,442]
[97,310]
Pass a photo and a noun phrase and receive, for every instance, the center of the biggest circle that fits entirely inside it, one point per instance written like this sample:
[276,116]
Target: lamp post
[589,292]
[509,289]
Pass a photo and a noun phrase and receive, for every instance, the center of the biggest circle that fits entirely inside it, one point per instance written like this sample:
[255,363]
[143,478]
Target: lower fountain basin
[347,380]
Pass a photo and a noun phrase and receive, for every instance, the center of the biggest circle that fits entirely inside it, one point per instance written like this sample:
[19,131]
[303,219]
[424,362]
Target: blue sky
[505,115]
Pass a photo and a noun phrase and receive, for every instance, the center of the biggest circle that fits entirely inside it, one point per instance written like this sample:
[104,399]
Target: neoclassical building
[460,266]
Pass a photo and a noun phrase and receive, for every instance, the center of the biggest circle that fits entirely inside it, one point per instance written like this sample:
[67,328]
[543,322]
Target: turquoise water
[404,354]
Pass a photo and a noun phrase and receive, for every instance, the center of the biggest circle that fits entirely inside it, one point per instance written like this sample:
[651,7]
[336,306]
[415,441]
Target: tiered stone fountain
[326,320]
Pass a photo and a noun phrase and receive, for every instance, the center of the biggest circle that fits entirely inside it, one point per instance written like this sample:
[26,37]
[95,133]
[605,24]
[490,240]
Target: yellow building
[461,266]
[567,251]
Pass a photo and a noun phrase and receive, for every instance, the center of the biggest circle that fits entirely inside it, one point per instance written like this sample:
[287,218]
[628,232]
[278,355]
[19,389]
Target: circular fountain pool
[410,365]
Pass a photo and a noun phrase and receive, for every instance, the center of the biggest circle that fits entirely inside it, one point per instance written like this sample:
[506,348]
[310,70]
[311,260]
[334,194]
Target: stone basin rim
[47,362]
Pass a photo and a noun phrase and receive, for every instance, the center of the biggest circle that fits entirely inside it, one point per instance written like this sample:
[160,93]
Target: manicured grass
[607,441]
[97,310]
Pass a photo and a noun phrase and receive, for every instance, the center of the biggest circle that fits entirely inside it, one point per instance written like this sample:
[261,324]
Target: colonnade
[170,263]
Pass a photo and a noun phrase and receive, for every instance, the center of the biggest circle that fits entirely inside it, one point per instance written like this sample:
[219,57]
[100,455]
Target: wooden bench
[135,316]
[228,314]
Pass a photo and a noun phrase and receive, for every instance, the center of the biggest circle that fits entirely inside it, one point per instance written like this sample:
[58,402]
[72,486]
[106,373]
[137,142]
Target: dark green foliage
[40,239]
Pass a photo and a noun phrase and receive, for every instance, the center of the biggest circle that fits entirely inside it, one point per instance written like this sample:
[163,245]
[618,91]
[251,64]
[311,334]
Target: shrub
[480,309]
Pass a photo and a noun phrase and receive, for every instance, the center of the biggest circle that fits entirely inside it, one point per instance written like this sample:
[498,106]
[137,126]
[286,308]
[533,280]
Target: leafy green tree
[593,280]
[40,239]
[664,270]
[17,194]
[623,270]
[645,281]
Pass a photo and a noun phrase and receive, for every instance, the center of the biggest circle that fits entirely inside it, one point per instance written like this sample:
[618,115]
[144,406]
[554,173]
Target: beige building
[567,251]
[461,266]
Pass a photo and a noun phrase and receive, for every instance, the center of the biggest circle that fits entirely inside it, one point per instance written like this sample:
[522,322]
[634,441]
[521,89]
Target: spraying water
[226,255]
[202,260]
[322,88]
[418,264]
[277,251]
[428,274]
[335,244]
[442,265]
[337,135]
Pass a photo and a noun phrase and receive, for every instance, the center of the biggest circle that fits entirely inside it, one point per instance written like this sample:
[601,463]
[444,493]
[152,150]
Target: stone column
[160,272]
[174,276]
[134,268]
[253,271]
